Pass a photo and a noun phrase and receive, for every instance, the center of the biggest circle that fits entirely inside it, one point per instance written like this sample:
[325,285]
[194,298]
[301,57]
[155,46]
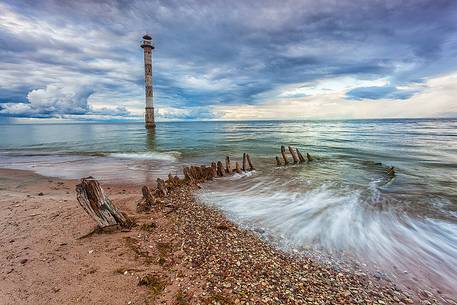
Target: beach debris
[147,202]
[294,155]
[96,203]
[390,171]
[283,153]
[40,194]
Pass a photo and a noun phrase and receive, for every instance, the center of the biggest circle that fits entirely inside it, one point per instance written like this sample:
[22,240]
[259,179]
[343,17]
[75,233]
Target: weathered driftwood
[300,156]
[237,167]
[251,166]
[161,190]
[147,202]
[96,203]
[390,171]
[294,155]
[283,153]
[228,165]
[220,169]
[308,156]
[278,161]
[243,168]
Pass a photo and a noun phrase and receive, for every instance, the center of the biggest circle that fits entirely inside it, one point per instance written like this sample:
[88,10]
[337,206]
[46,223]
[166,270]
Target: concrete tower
[148,46]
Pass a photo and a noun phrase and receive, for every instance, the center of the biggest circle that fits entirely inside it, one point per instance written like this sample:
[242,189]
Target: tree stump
[294,155]
[283,153]
[96,203]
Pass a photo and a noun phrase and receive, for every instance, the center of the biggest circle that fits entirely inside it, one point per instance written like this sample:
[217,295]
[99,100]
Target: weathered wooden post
[294,156]
[237,167]
[213,169]
[244,162]
[220,169]
[228,166]
[278,162]
[300,156]
[283,153]
[308,156]
[96,203]
[161,188]
[251,166]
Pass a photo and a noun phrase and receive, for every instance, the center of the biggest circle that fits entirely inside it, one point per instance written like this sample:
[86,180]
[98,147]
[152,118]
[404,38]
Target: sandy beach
[188,254]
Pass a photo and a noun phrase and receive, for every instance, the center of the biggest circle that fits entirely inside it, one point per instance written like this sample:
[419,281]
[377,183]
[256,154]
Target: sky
[228,60]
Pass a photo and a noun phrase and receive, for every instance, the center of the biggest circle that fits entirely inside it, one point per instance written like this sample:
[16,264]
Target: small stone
[40,194]
[23,261]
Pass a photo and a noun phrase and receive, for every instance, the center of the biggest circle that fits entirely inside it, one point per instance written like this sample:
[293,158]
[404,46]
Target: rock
[40,194]
[23,261]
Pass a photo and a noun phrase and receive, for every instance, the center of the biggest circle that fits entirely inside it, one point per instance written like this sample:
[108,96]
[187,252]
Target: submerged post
[148,46]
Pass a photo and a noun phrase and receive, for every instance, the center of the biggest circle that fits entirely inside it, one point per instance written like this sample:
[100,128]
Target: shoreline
[190,255]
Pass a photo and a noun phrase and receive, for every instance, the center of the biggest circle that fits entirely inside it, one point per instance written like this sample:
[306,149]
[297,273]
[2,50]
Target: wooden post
[251,166]
[220,169]
[237,167]
[278,162]
[96,203]
[244,162]
[147,202]
[213,169]
[294,156]
[308,156]
[161,188]
[300,156]
[283,153]
[228,166]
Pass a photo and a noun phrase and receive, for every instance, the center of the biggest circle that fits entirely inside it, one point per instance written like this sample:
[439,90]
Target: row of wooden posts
[297,157]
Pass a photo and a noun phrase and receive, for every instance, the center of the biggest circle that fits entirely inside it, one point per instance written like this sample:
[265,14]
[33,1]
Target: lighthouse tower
[148,46]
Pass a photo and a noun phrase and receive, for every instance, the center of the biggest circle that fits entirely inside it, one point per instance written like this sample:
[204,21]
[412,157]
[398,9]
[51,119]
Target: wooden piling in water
[244,162]
[300,156]
[308,156]
[251,166]
[294,155]
[220,169]
[228,165]
[237,167]
[278,162]
[283,153]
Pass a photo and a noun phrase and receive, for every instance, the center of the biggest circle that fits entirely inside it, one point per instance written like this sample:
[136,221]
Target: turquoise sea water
[341,203]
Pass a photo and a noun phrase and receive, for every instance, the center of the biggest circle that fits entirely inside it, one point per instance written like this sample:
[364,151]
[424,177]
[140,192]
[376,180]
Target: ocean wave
[151,155]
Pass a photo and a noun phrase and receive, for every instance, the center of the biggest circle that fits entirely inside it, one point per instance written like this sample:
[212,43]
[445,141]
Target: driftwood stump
[283,153]
[294,155]
[96,203]
[220,169]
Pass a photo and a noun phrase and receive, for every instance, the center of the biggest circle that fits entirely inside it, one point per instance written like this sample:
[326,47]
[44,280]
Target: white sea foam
[152,155]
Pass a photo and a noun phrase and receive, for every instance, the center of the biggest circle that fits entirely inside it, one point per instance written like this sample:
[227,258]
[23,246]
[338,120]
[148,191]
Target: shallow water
[341,203]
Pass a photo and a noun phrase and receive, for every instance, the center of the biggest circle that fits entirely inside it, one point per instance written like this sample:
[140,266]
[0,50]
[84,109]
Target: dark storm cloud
[219,52]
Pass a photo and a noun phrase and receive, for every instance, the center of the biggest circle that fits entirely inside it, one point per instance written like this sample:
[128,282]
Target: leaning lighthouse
[148,46]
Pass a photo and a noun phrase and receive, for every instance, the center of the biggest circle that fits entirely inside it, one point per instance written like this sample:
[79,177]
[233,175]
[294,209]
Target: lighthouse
[148,46]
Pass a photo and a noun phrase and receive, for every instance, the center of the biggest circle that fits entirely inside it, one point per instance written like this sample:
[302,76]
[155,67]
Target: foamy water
[343,204]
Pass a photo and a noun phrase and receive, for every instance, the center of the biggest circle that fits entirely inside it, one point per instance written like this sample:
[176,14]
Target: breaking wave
[161,156]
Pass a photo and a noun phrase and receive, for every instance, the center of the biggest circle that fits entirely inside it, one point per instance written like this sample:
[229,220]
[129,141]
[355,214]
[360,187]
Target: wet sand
[187,255]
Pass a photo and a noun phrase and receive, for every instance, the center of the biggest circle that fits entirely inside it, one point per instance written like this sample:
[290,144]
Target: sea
[342,206]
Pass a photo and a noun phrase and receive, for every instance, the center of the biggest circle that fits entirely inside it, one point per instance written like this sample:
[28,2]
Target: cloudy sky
[81,60]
